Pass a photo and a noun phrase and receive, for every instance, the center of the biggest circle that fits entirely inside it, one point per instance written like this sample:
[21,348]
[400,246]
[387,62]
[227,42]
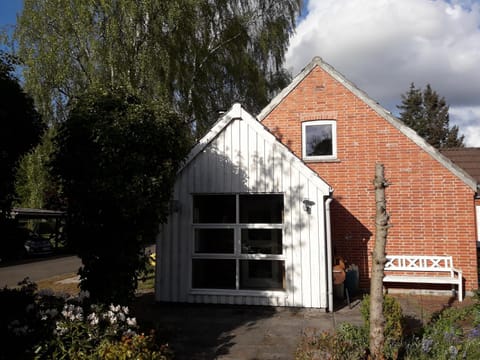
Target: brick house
[431,201]
[469,160]
[262,205]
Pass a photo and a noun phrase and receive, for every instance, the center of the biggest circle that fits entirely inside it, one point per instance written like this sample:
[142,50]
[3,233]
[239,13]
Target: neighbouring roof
[458,171]
[467,158]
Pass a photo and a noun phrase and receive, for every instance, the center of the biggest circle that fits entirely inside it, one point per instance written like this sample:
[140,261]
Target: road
[38,270]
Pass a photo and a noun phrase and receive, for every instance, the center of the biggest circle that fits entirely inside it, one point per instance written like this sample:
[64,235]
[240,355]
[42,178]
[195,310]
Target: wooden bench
[425,270]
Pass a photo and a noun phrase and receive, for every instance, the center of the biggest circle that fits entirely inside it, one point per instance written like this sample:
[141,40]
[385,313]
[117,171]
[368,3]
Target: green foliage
[138,347]
[449,335]
[116,160]
[34,185]
[349,342]
[393,314]
[200,55]
[427,113]
[20,129]
[43,325]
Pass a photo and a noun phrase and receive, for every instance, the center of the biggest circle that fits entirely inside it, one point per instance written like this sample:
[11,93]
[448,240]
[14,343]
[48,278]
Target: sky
[385,45]
[8,11]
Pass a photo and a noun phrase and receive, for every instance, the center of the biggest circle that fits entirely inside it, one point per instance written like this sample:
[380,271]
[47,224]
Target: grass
[61,283]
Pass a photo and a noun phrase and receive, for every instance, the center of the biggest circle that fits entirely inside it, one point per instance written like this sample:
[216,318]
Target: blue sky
[8,11]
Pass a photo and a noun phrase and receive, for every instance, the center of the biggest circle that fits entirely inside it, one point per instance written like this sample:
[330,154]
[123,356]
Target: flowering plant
[44,325]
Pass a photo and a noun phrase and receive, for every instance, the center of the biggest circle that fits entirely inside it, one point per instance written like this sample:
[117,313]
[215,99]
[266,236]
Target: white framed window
[319,140]
[238,242]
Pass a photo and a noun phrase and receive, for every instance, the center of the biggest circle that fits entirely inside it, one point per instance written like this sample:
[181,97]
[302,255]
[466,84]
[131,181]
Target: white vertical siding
[244,157]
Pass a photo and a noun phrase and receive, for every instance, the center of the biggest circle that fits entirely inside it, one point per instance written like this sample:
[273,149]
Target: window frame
[237,254]
[333,156]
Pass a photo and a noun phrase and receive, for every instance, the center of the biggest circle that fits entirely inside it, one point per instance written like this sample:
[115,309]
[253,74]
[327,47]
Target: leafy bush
[43,325]
[447,337]
[137,347]
[392,311]
[350,341]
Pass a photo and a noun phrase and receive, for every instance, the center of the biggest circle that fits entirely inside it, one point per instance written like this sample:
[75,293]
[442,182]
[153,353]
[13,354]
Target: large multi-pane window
[238,242]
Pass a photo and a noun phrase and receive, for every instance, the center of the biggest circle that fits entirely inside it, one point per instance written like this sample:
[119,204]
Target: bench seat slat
[420,279]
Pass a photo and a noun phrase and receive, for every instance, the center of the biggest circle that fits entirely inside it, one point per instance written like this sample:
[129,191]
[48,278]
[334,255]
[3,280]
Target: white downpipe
[328,230]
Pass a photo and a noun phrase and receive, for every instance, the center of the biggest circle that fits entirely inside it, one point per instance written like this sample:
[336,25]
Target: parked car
[37,245]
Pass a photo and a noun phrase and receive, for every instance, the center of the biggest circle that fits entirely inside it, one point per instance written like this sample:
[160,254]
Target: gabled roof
[238,112]
[407,131]
[467,158]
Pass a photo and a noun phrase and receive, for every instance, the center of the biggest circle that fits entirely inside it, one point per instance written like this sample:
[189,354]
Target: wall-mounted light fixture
[307,205]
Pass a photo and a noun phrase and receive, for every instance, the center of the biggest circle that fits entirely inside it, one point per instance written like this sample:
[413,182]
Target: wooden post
[377,320]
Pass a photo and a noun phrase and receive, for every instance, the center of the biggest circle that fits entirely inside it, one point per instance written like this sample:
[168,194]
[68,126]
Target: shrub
[42,325]
[137,347]
[447,337]
[392,311]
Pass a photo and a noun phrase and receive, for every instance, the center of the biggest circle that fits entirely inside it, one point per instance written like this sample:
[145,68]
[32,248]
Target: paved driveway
[201,332]
[38,269]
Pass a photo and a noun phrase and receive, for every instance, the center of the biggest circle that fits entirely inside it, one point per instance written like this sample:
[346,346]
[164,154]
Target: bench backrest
[419,263]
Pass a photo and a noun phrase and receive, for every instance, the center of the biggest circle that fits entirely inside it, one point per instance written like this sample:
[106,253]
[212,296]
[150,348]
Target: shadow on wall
[350,240]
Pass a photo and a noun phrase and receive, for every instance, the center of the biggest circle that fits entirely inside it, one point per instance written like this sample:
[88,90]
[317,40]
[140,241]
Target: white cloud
[468,119]
[384,45]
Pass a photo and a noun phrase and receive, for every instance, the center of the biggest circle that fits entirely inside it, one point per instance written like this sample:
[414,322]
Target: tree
[34,185]
[200,55]
[377,318]
[427,113]
[20,129]
[116,158]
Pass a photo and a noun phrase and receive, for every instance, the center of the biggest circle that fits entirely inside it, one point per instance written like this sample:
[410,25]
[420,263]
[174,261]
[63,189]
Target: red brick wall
[431,210]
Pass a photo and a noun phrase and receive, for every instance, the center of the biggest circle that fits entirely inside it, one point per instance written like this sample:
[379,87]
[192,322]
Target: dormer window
[319,140]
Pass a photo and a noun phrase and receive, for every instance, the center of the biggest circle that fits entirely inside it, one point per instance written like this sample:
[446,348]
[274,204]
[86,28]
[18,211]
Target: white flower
[131,322]
[129,333]
[72,312]
[125,310]
[121,317]
[60,328]
[110,316]
[46,292]
[93,319]
[83,295]
[52,312]
[114,308]
[22,330]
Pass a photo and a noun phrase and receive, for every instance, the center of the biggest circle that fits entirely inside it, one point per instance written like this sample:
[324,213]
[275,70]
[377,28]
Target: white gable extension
[240,157]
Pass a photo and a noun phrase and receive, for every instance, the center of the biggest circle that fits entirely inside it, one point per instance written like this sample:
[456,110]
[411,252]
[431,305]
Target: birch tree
[200,55]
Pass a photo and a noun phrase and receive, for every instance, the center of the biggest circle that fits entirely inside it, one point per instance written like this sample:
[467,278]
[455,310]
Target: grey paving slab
[203,332]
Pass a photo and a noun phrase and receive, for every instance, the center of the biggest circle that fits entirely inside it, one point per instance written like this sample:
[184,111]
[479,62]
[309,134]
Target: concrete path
[201,332]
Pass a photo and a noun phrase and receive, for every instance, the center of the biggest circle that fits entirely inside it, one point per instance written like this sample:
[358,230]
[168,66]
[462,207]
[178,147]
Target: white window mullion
[237,274]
